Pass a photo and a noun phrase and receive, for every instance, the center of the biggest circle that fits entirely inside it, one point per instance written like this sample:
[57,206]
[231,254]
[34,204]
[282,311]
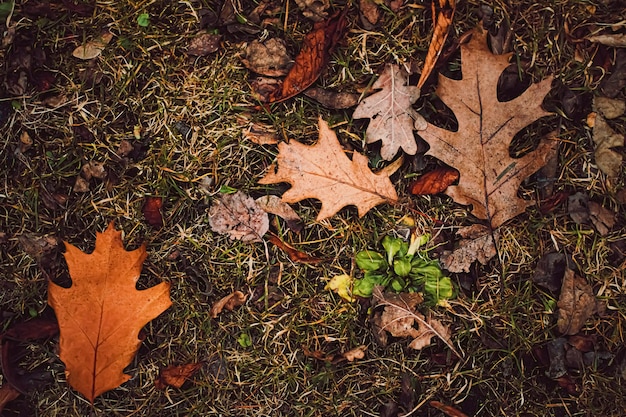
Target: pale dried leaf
[269,58]
[230,302]
[393,118]
[616,40]
[576,303]
[238,216]
[605,138]
[490,177]
[261,134]
[477,245]
[324,172]
[354,354]
[314,9]
[274,205]
[93,169]
[93,49]
[610,108]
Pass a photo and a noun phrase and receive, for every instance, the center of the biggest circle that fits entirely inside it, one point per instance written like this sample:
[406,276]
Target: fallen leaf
[313,57]
[314,9]
[577,303]
[443,22]
[350,356]
[324,172]
[238,216]
[369,12]
[615,40]
[268,58]
[38,247]
[274,205]
[393,118]
[176,376]
[578,207]
[92,49]
[477,244]
[230,302]
[294,254]
[612,85]
[204,44]
[7,394]
[261,134]
[435,181]
[101,314]
[602,218]
[354,354]
[399,317]
[93,169]
[152,211]
[447,409]
[605,138]
[490,178]
[342,285]
[332,99]
[550,270]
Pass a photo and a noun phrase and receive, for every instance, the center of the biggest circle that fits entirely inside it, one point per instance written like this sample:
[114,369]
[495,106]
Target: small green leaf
[402,267]
[365,286]
[225,189]
[368,260]
[392,246]
[439,289]
[244,340]
[143,20]
[32,311]
[6,8]
[397,284]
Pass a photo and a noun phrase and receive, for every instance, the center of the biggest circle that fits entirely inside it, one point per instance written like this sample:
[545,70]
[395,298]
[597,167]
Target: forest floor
[184,116]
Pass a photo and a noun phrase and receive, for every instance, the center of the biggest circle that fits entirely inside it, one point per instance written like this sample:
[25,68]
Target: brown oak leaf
[175,376]
[577,303]
[476,244]
[239,216]
[479,149]
[323,171]
[101,314]
[392,115]
[232,300]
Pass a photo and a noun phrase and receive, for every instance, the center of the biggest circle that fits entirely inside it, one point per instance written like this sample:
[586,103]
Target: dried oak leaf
[323,171]
[604,137]
[393,118]
[204,44]
[399,317]
[314,9]
[274,205]
[576,304]
[479,149]
[235,299]
[176,376]
[435,181]
[239,216]
[101,314]
[477,244]
[268,58]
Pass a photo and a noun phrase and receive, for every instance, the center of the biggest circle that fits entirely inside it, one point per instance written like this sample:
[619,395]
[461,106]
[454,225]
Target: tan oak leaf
[323,171]
[393,118]
[490,177]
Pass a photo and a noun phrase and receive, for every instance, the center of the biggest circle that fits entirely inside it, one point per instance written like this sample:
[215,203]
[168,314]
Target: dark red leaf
[294,254]
[152,211]
[447,410]
[553,202]
[435,181]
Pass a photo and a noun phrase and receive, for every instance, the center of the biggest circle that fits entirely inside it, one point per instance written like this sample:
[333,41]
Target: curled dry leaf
[238,216]
[93,49]
[477,244]
[176,376]
[152,211]
[101,314]
[479,149]
[447,409]
[369,12]
[294,254]
[443,22]
[230,302]
[356,353]
[261,134]
[435,181]
[332,99]
[400,316]
[204,44]
[604,137]
[577,303]
[274,205]
[268,58]
[616,40]
[314,9]
[324,172]
[392,117]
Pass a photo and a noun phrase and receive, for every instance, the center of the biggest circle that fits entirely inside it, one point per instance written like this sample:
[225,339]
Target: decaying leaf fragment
[604,137]
[490,177]
[400,316]
[577,303]
[323,171]
[393,118]
[176,376]
[238,216]
[230,302]
[274,205]
[93,49]
[101,314]
[476,245]
[268,58]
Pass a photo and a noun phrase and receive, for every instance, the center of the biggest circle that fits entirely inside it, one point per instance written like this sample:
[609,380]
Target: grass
[144,83]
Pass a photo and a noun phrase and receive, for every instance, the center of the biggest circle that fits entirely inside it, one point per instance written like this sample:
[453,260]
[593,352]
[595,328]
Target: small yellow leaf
[341,284]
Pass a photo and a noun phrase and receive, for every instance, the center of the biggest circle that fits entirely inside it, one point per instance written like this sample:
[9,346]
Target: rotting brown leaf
[576,304]
[274,205]
[101,314]
[392,117]
[490,177]
[204,44]
[443,21]
[152,211]
[269,58]
[238,216]
[93,49]
[314,9]
[176,376]
[261,134]
[230,302]
[294,254]
[332,99]
[604,137]
[399,317]
[477,244]
[323,171]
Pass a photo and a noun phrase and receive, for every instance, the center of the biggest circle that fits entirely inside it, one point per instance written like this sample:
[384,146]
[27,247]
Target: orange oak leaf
[175,376]
[440,33]
[393,118]
[435,181]
[323,171]
[490,177]
[101,314]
